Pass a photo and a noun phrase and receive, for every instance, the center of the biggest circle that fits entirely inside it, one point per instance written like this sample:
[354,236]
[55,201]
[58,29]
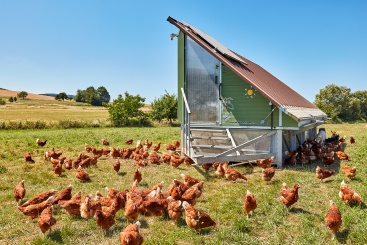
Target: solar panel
[215,44]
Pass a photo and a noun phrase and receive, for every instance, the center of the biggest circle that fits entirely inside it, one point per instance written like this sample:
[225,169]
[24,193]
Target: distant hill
[10,93]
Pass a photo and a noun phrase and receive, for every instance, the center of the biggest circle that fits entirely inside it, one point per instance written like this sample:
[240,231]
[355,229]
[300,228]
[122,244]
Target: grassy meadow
[271,222]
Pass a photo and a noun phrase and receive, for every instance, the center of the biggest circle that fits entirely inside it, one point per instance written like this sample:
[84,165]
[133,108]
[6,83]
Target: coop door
[202,81]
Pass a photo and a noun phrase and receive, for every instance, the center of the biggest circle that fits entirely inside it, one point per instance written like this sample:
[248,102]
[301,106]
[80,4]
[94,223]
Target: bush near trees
[95,97]
[164,108]
[61,96]
[22,94]
[124,110]
[341,105]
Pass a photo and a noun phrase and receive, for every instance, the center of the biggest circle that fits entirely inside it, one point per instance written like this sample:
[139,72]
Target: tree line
[338,102]
[341,105]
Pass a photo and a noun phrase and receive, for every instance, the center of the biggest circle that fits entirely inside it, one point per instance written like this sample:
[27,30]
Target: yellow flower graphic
[250,93]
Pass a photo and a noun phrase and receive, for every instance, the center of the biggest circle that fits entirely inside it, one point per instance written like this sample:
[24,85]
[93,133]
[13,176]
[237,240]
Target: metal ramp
[215,143]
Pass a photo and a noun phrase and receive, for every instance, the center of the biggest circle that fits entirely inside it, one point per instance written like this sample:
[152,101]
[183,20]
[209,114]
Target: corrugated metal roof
[264,82]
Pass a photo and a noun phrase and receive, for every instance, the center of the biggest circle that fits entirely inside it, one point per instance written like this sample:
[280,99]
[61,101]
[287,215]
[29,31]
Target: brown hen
[350,171]
[131,236]
[82,175]
[19,192]
[33,210]
[333,219]
[349,195]
[323,173]
[289,196]
[268,174]
[72,206]
[188,180]
[174,208]
[45,219]
[265,163]
[249,203]
[195,218]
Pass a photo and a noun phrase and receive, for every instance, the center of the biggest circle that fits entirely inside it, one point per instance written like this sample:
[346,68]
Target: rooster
[41,143]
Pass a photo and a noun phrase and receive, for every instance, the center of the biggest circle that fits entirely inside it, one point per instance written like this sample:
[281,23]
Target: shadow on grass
[181,223]
[112,230]
[356,204]
[122,174]
[342,236]
[298,210]
[311,167]
[55,236]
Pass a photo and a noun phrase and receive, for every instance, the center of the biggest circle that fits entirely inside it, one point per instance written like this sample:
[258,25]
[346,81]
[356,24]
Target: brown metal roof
[264,82]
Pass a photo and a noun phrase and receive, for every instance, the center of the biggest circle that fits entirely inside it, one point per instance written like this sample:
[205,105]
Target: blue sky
[63,46]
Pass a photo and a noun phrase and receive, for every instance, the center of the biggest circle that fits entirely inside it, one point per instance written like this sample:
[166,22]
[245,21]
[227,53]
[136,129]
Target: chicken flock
[180,198]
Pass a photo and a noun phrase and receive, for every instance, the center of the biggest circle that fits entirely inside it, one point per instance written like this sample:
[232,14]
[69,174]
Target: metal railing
[185,126]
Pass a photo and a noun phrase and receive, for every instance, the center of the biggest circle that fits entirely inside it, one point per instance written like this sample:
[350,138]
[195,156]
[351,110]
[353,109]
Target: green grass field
[271,222]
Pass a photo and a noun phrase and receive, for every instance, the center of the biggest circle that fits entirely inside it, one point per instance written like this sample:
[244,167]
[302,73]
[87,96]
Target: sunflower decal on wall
[250,93]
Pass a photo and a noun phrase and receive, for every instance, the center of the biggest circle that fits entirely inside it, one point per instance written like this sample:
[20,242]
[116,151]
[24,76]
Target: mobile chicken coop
[231,109]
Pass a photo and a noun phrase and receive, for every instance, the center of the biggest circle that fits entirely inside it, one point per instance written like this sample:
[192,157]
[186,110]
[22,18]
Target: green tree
[61,96]
[338,103]
[361,96]
[11,99]
[15,99]
[103,94]
[96,97]
[123,109]
[165,108]
[2,102]
[22,94]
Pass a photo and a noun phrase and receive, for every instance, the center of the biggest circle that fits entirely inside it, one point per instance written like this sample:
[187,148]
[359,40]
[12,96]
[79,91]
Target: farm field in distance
[271,222]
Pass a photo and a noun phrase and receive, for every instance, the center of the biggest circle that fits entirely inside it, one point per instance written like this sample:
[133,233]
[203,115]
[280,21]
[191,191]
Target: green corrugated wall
[242,105]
